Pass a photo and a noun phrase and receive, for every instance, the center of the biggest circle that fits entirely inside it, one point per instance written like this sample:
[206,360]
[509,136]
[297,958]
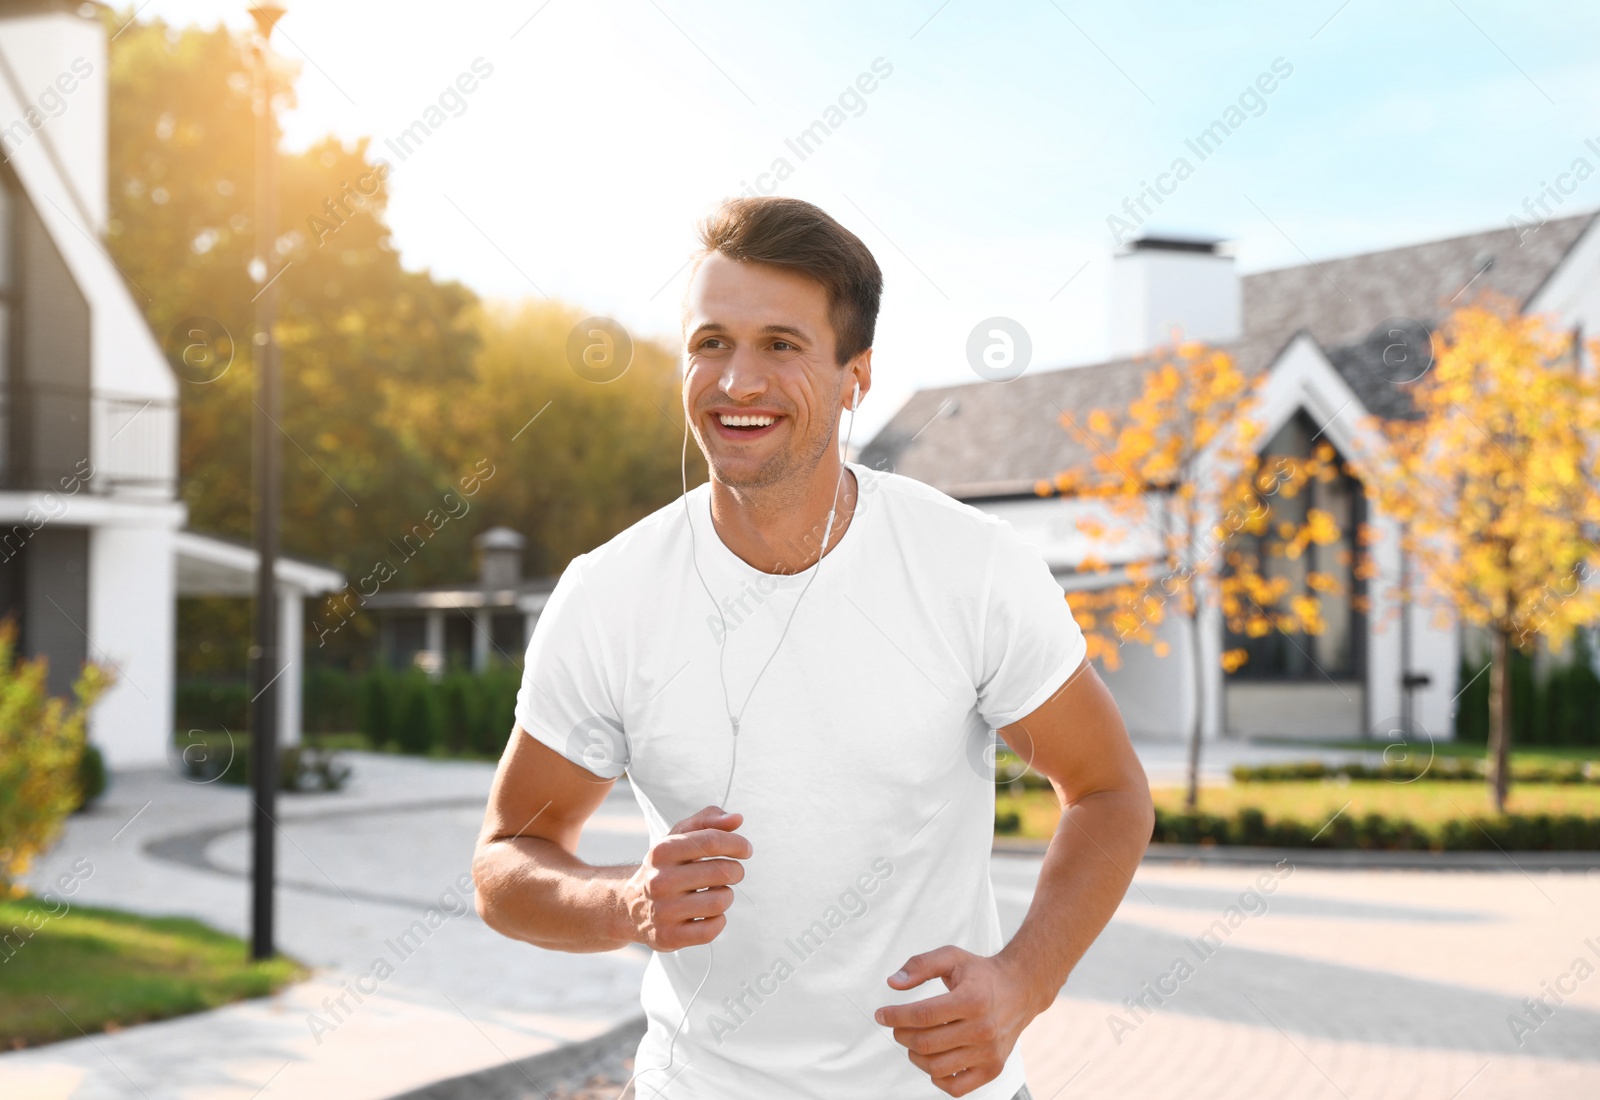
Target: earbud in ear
[855,402]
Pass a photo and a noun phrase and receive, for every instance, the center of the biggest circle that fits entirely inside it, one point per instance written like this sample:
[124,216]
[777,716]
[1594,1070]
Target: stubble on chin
[739,476]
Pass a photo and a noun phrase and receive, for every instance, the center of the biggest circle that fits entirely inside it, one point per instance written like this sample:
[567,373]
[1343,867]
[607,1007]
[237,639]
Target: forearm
[1096,847]
[532,889]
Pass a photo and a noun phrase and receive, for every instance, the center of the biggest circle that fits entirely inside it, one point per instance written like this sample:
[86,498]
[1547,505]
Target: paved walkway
[1360,983]
[358,869]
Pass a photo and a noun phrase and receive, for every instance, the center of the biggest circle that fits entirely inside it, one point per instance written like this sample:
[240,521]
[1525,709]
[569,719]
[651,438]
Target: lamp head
[266,17]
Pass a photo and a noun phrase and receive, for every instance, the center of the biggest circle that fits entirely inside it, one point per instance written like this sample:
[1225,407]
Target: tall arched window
[1339,652]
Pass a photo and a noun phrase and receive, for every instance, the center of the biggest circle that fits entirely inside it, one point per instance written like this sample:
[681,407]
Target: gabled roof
[1339,301]
[994,439]
[989,439]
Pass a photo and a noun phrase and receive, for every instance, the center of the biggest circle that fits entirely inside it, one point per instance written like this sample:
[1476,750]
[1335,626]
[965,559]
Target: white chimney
[1165,281]
[55,61]
[499,557]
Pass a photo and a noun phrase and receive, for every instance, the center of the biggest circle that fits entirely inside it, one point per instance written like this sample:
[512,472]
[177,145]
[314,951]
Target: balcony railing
[70,439]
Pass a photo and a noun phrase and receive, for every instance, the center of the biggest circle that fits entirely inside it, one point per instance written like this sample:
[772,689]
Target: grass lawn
[1315,801]
[107,969]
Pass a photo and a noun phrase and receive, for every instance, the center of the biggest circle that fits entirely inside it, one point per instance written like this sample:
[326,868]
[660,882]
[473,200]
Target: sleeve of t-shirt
[1031,643]
[567,700]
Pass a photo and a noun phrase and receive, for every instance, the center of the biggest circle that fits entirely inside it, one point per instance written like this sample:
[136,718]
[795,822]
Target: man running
[838,683]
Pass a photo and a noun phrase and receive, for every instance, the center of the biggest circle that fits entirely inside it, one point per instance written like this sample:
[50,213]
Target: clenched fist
[678,895]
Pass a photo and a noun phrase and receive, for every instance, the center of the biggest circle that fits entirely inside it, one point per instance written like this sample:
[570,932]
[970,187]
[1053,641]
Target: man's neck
[779,532]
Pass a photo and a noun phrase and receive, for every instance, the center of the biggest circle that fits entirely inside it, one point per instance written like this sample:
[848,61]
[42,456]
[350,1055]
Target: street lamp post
[264,653]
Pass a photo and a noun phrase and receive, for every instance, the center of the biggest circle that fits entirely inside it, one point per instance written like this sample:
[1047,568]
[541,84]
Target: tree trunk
[1500,719]
[1191,796]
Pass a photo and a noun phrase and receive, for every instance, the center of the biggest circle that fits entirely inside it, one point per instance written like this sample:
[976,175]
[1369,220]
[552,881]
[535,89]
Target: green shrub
[41,751]
[1459,768]
[420,721]
[332,700]
[91,775]
[378,708]
[1511,832]
[1252,826]
[1007,821]
[498,716]
[226,759]
[309,768]
[1562,708]
[459,701]
[212,703]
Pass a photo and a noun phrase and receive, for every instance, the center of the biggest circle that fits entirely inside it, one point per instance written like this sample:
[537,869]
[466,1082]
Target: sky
[985,166]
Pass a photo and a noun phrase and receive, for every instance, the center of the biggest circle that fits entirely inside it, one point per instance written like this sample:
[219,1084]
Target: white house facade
[1319,334]
[93,551]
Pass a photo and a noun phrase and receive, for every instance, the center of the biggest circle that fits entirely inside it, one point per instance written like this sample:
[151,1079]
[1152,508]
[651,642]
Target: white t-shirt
[863,771]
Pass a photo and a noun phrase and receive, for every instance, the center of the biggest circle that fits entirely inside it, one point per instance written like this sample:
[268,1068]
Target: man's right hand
[679,893]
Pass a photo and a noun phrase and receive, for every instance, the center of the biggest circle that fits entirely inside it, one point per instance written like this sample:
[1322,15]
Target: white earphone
[733,719]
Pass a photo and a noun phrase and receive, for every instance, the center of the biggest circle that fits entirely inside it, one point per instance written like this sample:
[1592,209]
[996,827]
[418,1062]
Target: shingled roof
[987,439]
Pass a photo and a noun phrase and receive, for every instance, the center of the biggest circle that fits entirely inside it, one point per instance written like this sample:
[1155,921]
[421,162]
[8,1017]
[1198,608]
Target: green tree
[42,743]
[396,385]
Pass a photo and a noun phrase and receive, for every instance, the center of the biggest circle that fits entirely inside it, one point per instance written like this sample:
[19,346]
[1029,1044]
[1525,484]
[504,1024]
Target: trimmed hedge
[209,703]
[1464,769]
[1511,832]
[460,714]
[1562,708]
[331,700]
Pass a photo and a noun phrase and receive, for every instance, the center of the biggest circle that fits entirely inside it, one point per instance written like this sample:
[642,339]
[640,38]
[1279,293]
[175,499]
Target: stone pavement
[359,871]
[1361,983]
[1338,983]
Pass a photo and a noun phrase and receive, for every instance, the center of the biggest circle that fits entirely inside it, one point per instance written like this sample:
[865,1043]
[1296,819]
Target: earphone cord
[722,649]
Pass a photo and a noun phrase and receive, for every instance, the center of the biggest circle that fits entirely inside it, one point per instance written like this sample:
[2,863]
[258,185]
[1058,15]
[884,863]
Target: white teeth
[747,421]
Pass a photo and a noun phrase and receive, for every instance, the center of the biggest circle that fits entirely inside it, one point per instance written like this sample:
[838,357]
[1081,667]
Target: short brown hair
[793,233]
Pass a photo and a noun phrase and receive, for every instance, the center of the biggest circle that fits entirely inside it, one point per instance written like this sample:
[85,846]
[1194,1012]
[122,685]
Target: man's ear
[861,367]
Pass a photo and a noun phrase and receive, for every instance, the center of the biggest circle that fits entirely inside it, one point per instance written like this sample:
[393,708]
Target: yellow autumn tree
[1169,486]
[1496,486]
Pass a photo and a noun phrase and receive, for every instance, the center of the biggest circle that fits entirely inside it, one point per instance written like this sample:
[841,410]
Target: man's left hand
[962,1037]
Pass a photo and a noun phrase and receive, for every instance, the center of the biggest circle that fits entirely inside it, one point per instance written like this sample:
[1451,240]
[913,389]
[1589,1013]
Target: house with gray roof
[465,626]
[1325,336]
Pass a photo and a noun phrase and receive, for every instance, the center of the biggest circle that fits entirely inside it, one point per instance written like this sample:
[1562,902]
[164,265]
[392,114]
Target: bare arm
[1078,741]
[963,1037]
[531,885]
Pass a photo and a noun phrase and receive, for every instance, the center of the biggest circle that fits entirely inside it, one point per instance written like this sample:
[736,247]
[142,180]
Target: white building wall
[1155,694]
[1051,524]
[127,358]
[1572,293]
[133,627]
[62,166]
[1435,648]
[60,62]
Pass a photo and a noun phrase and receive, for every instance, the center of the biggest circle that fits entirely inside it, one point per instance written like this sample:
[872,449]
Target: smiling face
[761,385]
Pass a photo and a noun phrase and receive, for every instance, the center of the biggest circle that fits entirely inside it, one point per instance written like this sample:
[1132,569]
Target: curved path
[1340,982]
